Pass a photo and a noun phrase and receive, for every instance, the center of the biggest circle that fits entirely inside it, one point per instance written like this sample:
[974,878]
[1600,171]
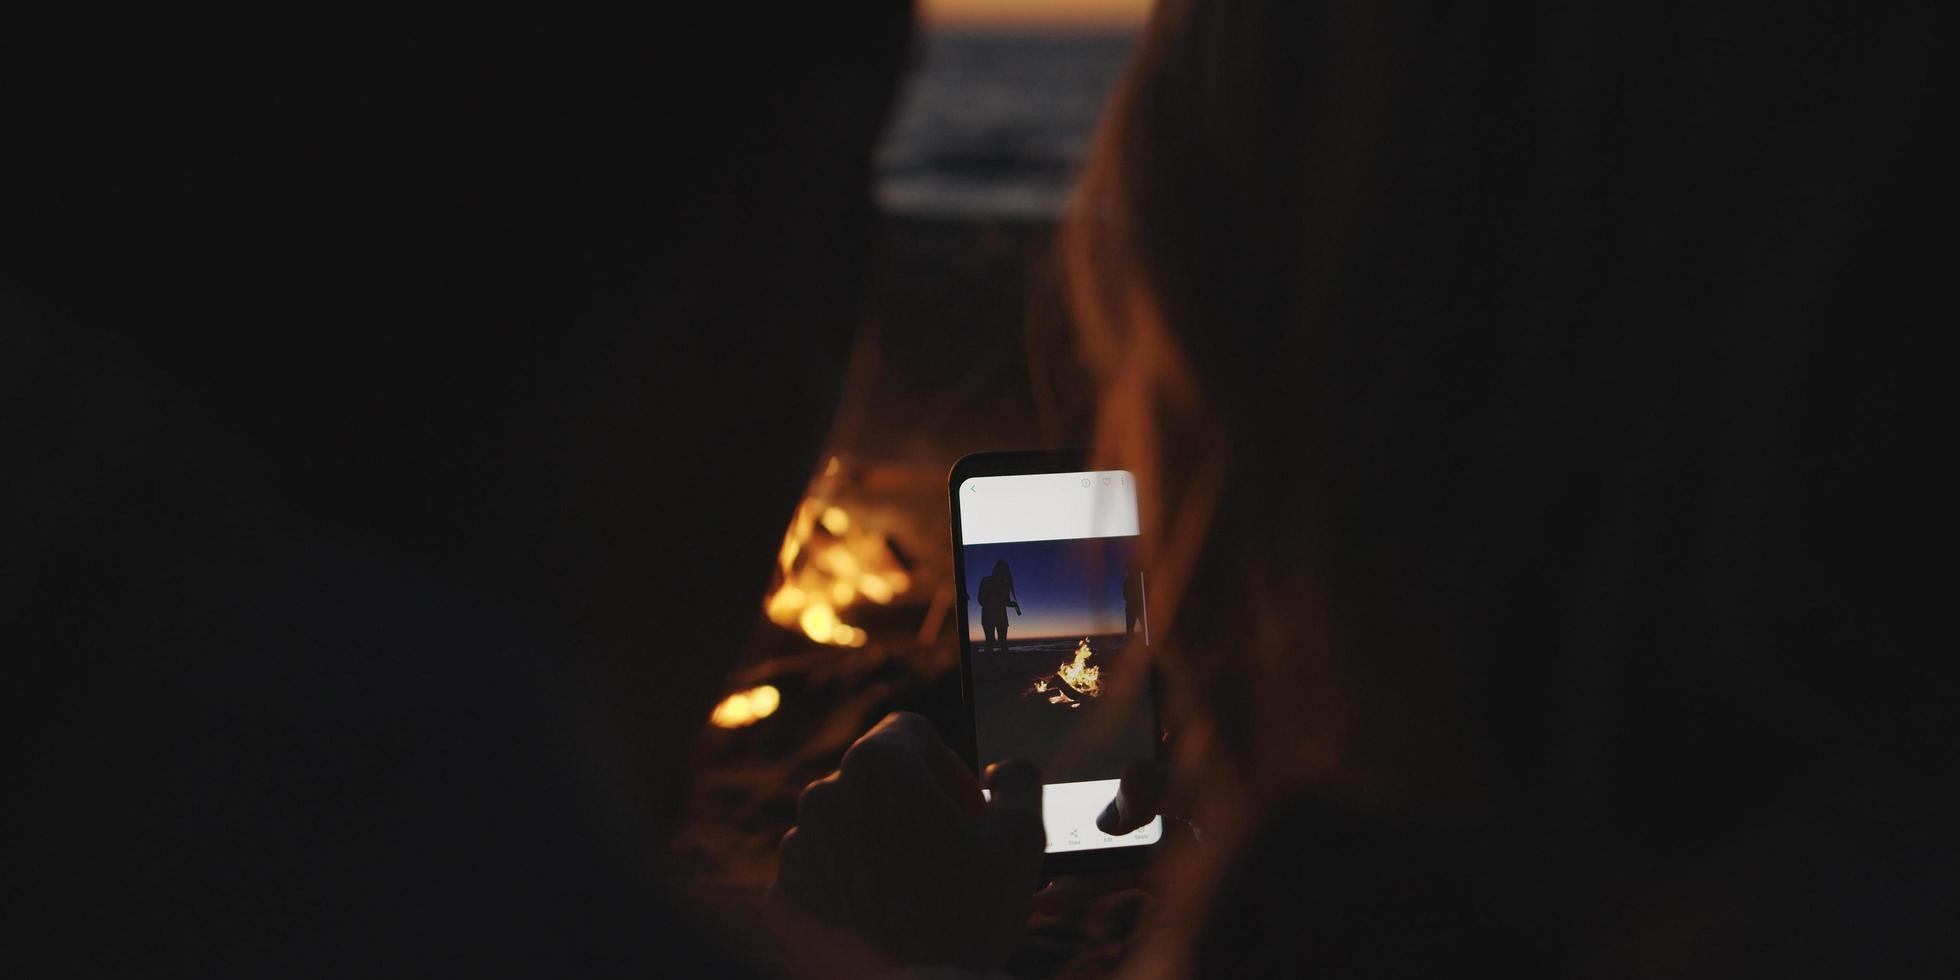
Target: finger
[886,778]
[800,874]
[819,802]
[949,772]
[1072,893]
[1015,810]
[1053,901]
[1140,798]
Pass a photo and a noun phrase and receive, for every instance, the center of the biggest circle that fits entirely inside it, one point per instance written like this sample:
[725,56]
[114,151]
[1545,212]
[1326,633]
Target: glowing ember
[745,708]
[828,563]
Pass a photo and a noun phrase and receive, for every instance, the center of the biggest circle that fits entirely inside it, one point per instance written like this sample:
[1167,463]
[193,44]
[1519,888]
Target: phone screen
[1056,631]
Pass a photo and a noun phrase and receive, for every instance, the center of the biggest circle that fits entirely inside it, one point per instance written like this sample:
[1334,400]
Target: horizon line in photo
[1018,638]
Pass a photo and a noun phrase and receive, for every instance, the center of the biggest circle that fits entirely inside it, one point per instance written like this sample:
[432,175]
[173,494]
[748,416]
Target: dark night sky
[1067,588]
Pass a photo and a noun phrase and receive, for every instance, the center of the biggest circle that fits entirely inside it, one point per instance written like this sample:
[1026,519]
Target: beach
[1076,739]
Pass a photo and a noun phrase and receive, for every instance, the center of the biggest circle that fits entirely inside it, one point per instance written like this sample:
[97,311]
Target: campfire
[829,563]
[1075,676]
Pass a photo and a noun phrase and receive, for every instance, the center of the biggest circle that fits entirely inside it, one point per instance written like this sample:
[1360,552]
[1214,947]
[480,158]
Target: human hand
[1146,791]
[899,848]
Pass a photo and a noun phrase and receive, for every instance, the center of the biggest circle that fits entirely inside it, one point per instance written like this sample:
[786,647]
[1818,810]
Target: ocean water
[992,126]
[1062,648]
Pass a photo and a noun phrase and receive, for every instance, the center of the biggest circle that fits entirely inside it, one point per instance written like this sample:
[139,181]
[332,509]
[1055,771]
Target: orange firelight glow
[1034,16]
[829,562]
[745,708]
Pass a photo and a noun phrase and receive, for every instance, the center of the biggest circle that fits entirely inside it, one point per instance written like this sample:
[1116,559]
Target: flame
[1075,676]
[830,561]
[745,708]
[1079,675]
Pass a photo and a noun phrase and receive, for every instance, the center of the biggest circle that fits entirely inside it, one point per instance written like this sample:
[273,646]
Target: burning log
[1077,676]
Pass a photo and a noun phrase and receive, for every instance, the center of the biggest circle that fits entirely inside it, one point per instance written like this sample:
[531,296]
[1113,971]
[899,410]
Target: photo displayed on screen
[1058,632]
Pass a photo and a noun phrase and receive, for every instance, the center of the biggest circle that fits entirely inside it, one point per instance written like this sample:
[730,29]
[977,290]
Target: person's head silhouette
[408,338]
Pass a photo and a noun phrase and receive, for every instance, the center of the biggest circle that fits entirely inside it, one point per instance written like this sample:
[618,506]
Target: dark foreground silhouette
[359,378]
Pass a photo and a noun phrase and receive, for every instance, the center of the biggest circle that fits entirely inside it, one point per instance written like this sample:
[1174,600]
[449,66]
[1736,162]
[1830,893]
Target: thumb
[1142,795]
[1016,806]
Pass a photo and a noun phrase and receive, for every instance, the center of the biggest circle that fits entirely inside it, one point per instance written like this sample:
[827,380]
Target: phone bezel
[1021,463]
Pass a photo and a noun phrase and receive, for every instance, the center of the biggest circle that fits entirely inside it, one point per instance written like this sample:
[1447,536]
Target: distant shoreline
[1098,642]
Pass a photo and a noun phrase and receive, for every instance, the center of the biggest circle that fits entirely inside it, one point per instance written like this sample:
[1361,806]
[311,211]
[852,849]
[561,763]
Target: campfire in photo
[1055,695]
[828,563]
[1075,676]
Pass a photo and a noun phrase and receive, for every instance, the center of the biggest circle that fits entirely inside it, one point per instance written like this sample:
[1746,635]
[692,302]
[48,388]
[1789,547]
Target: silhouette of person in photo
[1132,597]
[996,594]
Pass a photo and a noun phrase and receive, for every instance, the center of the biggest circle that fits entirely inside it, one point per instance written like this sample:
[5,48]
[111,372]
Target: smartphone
[1054,627]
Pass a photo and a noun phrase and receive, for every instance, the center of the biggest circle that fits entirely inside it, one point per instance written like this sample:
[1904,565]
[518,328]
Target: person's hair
[1486,379]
